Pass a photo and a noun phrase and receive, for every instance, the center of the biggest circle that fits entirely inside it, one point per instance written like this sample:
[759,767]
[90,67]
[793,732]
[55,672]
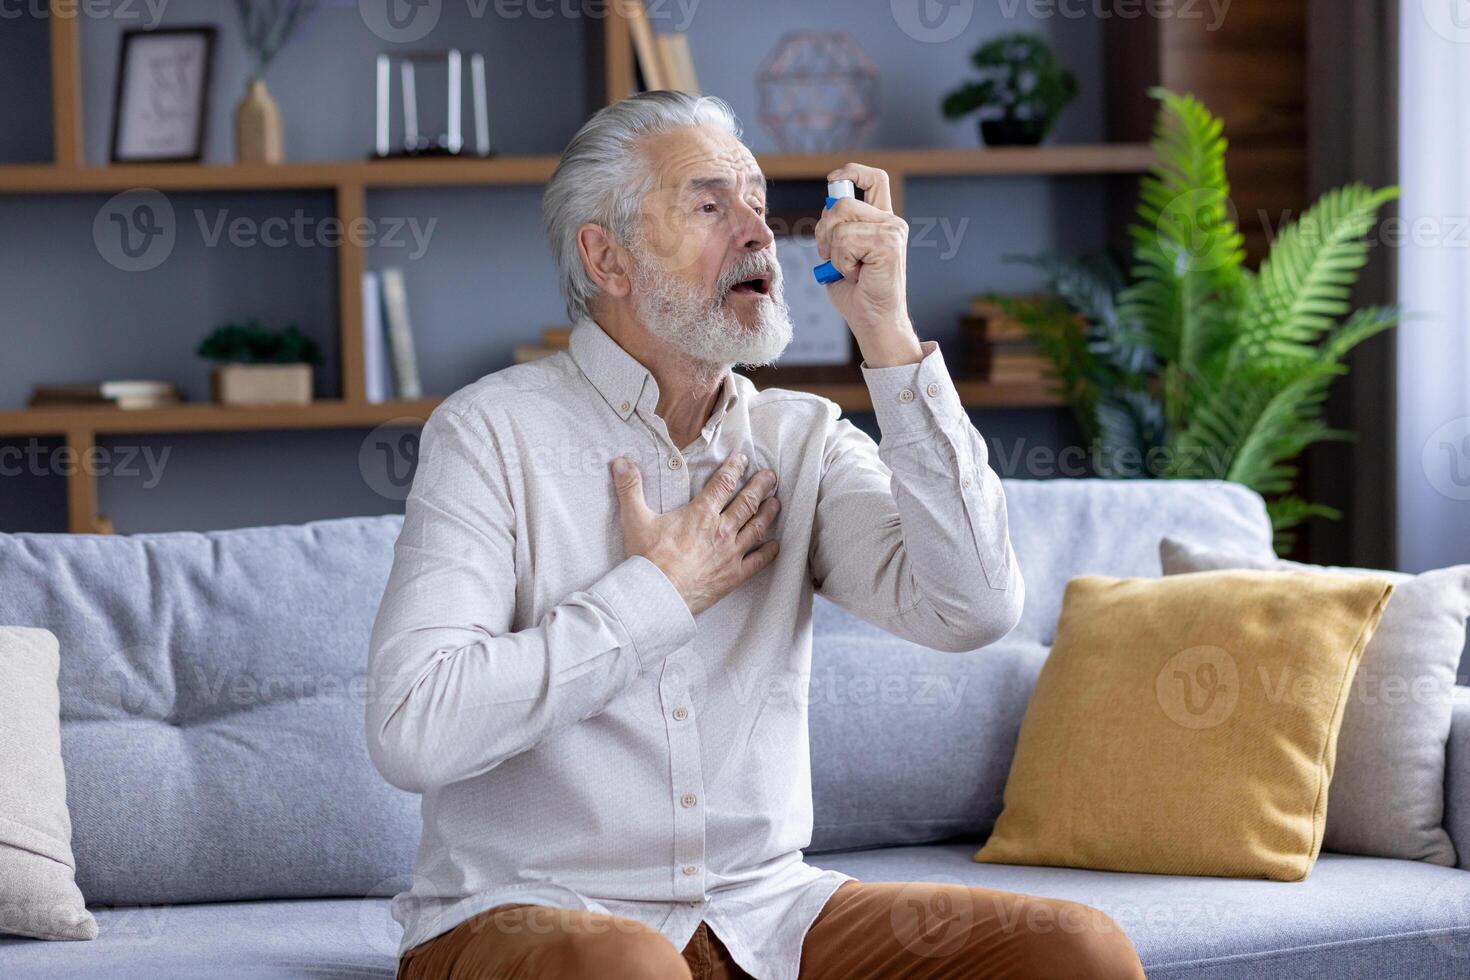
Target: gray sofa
[228,823]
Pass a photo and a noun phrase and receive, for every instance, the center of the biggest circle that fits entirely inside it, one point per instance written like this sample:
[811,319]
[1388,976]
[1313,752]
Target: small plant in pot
[259,366]
[1021,90]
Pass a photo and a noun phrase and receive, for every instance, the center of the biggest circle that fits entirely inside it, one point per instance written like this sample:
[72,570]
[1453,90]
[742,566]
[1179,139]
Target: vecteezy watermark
[1450,19]
[1204,224]
[305,230]
[135,230]
[925,231]
[1022,458]
[1424,231]
[36,459]
[400,21]
[1198,687]
[149,13]
[1212,11]
[389,457]
[1446,459]
[407,21]
[933,917]
[932,21]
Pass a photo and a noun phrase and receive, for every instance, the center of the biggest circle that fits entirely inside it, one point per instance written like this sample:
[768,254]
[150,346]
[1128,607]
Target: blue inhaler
[827,273]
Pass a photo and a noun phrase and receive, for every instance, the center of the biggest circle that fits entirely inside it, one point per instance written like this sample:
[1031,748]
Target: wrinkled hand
[712,544]
[868,244]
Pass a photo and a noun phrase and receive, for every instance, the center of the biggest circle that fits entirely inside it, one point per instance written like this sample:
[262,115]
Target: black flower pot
[1012,132]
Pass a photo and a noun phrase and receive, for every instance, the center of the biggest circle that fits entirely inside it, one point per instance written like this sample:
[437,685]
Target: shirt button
[675,462]
[966,481]
[906,395]
[932,389]
[680,713]
[691,870]
[688,800]
[626,406]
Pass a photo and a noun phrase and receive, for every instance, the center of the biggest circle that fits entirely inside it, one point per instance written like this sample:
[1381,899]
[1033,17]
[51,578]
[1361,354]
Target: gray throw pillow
[1387,793]
[38,892]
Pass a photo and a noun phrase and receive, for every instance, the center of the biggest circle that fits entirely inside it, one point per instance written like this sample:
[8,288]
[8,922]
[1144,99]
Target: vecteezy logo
[1204,225]
[400,21]
[932,918]
[1450,19]
[1198,687]
[135,230]
[1446,459]
[389,456]
[932,21]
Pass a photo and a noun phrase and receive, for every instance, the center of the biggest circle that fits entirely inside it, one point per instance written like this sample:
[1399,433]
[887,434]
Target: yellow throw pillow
[1187,725]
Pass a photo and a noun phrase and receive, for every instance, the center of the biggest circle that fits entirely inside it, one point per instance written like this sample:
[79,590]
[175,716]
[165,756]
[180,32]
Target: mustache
[749,267]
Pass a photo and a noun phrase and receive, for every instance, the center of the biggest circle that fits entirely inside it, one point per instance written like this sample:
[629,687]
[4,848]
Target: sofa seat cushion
[323,939]
[1353,918]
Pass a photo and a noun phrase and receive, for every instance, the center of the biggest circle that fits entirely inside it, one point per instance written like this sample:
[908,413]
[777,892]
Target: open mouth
[759,284]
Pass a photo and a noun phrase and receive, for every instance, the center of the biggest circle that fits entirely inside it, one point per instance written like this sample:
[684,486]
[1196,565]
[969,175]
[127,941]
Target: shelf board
[853,396]
[1120,158]
[209,417]
[285,176]
[331,413]
[1096,158]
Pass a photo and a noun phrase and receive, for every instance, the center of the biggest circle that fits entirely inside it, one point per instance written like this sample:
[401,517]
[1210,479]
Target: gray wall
[481,281]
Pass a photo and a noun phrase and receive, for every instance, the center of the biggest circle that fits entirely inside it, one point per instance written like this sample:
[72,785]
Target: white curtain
[1433,369]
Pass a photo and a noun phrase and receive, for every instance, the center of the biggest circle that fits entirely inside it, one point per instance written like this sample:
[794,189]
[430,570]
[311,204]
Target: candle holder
[430,94]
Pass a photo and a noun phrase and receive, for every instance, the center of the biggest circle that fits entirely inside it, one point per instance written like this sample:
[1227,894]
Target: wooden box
[261,384]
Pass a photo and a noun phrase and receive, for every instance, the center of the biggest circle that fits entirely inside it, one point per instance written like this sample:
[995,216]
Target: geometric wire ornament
[818,92]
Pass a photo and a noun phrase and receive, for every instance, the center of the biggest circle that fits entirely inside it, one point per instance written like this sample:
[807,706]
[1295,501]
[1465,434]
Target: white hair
[603,177]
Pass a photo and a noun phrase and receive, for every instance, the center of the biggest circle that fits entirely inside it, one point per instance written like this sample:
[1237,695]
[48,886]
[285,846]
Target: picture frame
[161,100]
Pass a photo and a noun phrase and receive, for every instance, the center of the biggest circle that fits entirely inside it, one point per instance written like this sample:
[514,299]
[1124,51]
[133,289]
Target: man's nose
[757,234]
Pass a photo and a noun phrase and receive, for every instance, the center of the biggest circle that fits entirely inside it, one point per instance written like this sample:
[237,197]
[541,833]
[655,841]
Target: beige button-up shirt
[579,738]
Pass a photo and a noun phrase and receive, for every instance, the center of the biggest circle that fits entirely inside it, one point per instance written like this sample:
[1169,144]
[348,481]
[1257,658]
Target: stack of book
[553,339]
[389,359]
[106,394]
[664,61]
[997,346]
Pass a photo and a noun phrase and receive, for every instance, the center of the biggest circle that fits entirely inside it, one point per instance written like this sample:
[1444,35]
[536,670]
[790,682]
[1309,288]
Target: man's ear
[606,261]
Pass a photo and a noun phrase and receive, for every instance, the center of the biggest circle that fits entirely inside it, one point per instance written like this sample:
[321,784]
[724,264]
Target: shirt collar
[620,377]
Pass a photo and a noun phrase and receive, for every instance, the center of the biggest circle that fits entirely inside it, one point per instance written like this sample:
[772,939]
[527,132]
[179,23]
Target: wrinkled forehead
[696,159]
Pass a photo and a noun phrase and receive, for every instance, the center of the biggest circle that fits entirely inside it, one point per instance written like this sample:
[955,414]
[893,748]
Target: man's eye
[710,208]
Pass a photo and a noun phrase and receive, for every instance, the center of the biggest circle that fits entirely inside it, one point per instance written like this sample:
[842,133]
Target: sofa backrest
[213,687]
[911,745]
[1065,528]
[212,696]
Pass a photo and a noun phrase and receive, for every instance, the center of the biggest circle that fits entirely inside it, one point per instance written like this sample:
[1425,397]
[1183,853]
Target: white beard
[684,314]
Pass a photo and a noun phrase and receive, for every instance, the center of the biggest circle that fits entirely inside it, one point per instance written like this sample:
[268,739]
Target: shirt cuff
[651,611]
[910,397]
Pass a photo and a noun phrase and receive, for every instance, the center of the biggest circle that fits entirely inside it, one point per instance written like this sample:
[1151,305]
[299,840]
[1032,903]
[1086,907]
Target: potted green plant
[259,366]
[1021,90]
[1194,361]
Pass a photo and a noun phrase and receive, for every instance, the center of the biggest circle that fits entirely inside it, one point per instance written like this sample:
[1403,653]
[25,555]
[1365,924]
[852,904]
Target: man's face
[705,274]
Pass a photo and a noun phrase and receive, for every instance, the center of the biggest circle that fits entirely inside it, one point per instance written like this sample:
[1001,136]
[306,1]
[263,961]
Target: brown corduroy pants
[913,930]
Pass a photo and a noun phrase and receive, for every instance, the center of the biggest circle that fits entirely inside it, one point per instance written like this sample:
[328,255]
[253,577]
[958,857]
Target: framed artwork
[160,106]
[819,334]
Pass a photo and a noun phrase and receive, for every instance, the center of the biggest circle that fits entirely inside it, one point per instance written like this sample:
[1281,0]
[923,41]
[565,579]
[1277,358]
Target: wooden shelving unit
[329,413]
[1123,158]
[349,182]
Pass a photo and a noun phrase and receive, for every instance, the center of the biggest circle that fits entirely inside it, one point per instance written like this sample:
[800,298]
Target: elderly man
[593,652]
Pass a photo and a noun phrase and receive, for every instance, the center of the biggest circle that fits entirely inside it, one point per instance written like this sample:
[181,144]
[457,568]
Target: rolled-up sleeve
[454,691]
[911,533]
